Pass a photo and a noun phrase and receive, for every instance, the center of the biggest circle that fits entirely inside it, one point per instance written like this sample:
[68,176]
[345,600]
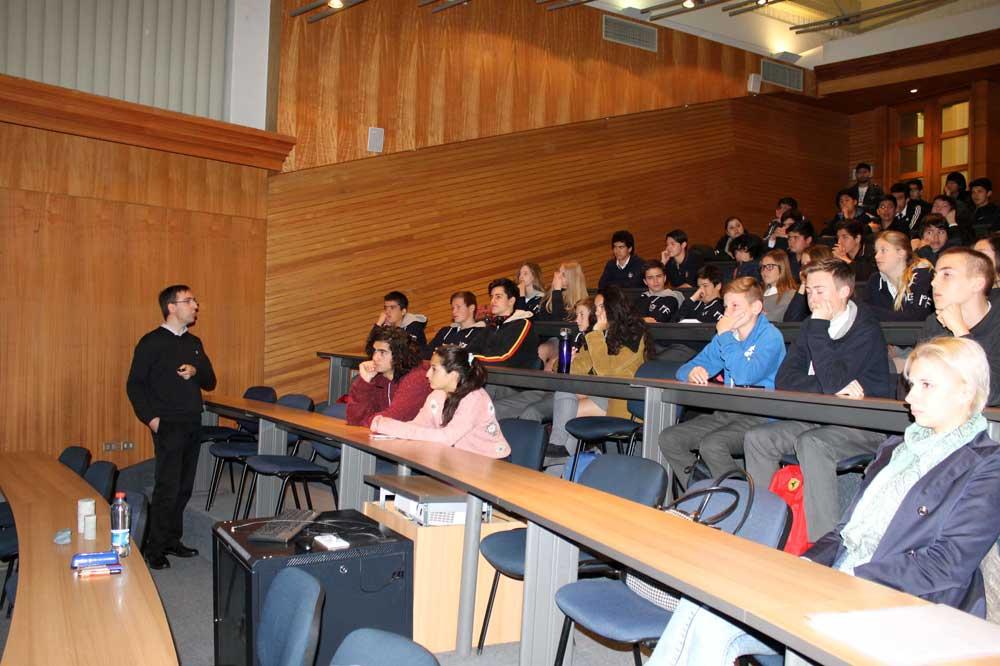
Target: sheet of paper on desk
[925,634]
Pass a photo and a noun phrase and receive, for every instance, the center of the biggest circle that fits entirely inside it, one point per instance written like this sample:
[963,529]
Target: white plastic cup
[90,527]
[84,508]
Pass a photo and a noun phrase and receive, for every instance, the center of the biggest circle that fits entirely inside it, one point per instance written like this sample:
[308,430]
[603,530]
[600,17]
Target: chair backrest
[76,458]
[102,476]
[770,517]
[527,442]
[289,622]
[637,479]
[262,393]
[655,369]
[327,450]
[320,406]
[374,647]
[296,401]
[139,507]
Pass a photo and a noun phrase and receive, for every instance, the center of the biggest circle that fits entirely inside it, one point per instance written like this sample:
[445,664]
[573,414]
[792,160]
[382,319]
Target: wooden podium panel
[437,570]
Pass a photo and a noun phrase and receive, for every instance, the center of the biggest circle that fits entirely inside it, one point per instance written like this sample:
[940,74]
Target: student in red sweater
[393,383]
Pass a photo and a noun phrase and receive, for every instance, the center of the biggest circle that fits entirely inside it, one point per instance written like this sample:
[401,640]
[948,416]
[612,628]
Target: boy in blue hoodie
[747,349]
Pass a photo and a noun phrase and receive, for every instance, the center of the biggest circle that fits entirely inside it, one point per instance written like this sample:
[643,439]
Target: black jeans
[176,447]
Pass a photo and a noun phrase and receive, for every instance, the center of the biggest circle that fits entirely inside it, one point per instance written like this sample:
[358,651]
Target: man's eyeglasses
[188,301]
[768,267]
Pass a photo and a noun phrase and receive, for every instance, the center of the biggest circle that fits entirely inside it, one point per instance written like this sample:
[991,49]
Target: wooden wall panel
[91,232]
[492,67]
[454,217]
[867,142]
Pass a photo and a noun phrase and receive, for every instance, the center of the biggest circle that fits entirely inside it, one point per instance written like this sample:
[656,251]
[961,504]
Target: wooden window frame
[933,170]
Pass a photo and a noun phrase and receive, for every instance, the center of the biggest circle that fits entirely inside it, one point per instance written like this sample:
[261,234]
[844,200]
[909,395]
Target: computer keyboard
[284,527]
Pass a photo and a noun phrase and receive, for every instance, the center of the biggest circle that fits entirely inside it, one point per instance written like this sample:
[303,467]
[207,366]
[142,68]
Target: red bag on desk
[787,484]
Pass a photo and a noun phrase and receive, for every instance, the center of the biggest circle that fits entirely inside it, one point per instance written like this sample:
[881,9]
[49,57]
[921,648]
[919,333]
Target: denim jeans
[696,636]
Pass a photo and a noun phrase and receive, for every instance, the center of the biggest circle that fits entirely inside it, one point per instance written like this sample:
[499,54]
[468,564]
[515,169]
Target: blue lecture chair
[637,479]
[102,476]
[76,458]
[527,442]
[374,647]
[290,620]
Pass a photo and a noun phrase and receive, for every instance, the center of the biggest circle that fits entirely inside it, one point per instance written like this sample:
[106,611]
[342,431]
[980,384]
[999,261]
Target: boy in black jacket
[625,269]
[705,305]
[510,340]
[169,370]
[682,264]
[840,350]
[395,312]
[658,304]
[464,330]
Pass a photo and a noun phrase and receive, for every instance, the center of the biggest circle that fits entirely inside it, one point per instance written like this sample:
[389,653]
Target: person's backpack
[787,484]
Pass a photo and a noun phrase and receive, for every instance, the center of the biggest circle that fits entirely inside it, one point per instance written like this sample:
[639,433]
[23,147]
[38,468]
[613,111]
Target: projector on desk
[424,500]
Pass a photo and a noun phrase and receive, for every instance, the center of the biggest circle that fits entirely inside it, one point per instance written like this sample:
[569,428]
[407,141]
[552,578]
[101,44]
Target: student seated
[747,250]
[732,229]
[855,249]
[531,293]
[509,338]
[458,412]
[615,347]
[960,231]
[921,523]
[798,307]
[901,289]
[865,192]
[847,211]
[392,383]
[568,286]
[779,284]
[682,265]
[395,312]
[986,215]
[916,208]
[840,350]
[775,237]
[934,238]
[990,246]
[658,304]
[800,237]
[705,305]
[624,269]
[464,330]
[747,349]
[886,218]
[962,282]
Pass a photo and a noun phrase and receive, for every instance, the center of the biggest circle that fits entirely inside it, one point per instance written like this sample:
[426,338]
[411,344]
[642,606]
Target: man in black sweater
[840,350]
[624,269]
[169,370]
[962,281]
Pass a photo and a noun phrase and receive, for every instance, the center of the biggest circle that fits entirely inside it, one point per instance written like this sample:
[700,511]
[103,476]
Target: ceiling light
[688,4]
[913,90]
[336,4]
[761,2]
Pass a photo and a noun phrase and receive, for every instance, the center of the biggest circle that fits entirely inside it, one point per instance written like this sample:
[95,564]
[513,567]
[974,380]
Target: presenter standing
[169,371]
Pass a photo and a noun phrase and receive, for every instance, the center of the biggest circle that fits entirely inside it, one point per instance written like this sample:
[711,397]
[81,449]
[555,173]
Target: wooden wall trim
[953,64]
[24,102]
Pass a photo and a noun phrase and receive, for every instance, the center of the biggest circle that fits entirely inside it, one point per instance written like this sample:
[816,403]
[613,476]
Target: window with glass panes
[930,139]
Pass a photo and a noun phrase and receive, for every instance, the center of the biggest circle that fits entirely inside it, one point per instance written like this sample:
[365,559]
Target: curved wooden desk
[59,619]
[767,589]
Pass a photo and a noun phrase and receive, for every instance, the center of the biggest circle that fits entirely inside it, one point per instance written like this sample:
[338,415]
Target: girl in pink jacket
[458,412]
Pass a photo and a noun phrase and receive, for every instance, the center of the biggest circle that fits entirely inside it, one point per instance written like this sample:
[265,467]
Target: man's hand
[664,257]
[367,371]
[951,318]
[187,371]
[823,311]
[381,320]
[697,296]
[841,254]
[852,390]
[649,320]
[698,375]
[729,322]
[154,425]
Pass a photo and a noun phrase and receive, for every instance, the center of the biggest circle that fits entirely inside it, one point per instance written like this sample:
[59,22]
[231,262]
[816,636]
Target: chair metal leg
[252,493]
[295,496]
[631,443]
[564,640]
[213,486]
[489,612]
[333,491]
[239,493]
[576,459]
[305,491]
[281,495]
[3,588]
[637,653]
[232,483]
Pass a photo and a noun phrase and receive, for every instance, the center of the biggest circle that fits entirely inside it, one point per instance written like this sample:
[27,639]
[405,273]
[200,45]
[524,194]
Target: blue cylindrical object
[565,351]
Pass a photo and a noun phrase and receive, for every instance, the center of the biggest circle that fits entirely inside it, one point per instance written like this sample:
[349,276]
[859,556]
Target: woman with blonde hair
[530,288]
[779,284]
[568,286]
[922,521]
[901,289]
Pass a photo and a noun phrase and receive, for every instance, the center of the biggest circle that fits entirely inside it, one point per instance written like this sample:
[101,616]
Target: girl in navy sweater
[901,289]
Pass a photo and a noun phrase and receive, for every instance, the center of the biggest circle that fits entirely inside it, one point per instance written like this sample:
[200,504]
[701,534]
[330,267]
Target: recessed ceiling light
[761,2]
[913,90]
[336,4]
[688,4]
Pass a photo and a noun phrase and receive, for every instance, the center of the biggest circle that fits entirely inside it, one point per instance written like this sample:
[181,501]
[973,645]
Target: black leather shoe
[157,562]
[180,550]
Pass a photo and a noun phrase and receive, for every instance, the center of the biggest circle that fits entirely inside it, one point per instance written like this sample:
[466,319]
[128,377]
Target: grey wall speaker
[753,84]
[376,139]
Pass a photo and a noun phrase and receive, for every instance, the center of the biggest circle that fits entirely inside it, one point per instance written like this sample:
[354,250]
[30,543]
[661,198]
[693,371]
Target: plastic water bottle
[121,524]
[565,351]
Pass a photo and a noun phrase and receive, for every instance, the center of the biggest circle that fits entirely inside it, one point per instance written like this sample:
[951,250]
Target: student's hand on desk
[187,371]
[698,375]
[154,425]
[367,371]
[951,318]
[852,390]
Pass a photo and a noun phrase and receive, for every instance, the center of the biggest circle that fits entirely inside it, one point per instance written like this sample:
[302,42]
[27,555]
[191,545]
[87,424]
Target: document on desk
[925,634]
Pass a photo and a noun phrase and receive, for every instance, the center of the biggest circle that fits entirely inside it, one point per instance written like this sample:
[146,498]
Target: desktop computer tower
[369,584]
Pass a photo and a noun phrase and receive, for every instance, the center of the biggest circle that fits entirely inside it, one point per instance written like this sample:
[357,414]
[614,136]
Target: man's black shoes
[157,561]
[180,550]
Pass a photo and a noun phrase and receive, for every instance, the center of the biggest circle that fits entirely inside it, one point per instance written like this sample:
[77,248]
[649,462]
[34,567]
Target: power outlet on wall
[128,446]
[112,446]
